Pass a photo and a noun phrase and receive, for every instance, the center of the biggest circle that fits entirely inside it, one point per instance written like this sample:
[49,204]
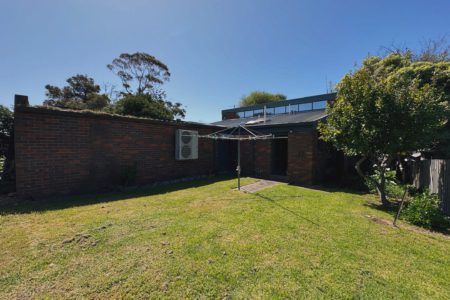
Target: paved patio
[257,186]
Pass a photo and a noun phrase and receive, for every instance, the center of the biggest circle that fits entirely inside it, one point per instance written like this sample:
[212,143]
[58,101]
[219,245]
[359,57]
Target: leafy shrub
[423,210]
[149,106]
[393,188]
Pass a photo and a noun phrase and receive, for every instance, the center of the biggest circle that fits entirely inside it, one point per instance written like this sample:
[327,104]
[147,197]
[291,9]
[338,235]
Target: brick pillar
[302,157]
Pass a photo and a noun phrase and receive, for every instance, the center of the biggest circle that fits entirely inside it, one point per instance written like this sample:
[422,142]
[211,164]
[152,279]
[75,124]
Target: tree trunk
[358,167]
[400,207]
[381,186]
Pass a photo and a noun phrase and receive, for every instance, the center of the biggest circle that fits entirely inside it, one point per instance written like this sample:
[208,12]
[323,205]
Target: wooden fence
[434,174]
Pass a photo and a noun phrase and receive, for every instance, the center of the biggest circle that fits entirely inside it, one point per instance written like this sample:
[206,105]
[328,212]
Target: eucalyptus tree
[140,73]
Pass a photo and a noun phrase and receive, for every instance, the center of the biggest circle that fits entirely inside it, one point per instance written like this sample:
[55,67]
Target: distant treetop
[140,72]
[260,97]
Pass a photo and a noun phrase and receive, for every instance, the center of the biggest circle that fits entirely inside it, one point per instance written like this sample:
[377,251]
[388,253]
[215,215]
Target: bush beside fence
[434,174]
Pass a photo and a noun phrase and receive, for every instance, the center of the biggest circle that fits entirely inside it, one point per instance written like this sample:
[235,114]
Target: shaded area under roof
[272,120]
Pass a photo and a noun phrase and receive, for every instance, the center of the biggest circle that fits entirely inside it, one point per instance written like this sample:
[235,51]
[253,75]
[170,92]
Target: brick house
[296,154]
[72,152]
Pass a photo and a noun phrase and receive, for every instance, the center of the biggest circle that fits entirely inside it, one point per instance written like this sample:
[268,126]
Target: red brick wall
[61,152]
[248,158]
[305,160]
[302,157]
[256,158]
[263,158]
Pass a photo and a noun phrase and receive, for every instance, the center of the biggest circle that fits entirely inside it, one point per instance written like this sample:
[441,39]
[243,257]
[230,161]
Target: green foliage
[431,50]
[97,102]
[7,169]
[393,188]
[81,93]
[6,121]
[259,97]
[146,106]
[6,131]
[139,72]
[388,107]
[423,210]
[142,74]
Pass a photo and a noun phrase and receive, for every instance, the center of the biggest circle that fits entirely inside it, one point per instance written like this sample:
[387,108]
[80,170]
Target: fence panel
[434,174]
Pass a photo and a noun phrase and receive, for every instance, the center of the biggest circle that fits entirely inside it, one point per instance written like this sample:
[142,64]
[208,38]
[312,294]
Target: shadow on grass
[392,208]
[20,206]
[333,189]
[274,202]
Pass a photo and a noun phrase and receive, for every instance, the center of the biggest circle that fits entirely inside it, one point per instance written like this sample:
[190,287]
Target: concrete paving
[257,186]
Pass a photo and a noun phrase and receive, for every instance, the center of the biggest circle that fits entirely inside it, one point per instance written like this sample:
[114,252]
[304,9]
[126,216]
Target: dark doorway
[279,156]
[226,156]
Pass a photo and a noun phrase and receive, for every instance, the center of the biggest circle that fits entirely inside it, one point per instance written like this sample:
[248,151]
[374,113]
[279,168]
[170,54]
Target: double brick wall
[61,152]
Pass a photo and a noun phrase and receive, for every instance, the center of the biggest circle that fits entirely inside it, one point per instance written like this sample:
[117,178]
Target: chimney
[21,101]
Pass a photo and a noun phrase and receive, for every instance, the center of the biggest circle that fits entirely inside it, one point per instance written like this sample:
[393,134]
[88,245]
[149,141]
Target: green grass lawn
[204,240]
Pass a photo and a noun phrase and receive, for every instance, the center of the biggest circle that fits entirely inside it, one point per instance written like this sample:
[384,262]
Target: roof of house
[273,120]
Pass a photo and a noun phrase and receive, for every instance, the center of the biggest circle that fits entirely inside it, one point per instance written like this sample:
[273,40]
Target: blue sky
[216,50]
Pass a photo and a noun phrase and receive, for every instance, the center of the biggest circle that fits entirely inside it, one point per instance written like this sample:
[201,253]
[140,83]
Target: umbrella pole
[238,169]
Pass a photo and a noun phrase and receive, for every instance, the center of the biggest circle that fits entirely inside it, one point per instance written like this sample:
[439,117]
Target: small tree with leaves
[146,106]
[7,143]
[385,109]
[81,92]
